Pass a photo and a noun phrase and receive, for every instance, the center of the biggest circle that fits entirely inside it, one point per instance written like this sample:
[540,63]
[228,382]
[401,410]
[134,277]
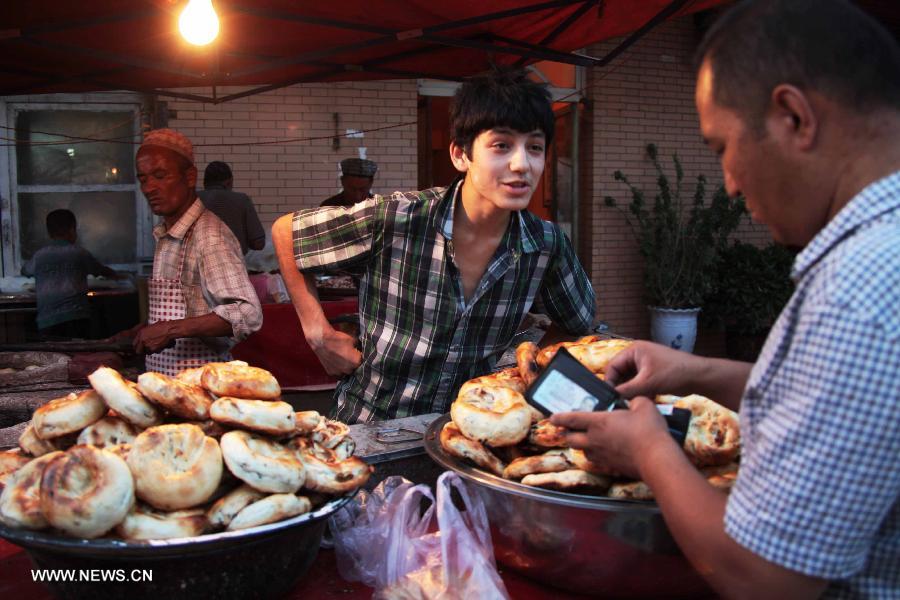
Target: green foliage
[754,284]
[680,239]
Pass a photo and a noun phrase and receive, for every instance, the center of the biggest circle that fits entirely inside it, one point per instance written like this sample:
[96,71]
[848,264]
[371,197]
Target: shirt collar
[876,199]
[181,227]
[520,237]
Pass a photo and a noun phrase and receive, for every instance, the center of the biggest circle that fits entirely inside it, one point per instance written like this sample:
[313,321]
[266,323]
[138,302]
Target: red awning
[52,46]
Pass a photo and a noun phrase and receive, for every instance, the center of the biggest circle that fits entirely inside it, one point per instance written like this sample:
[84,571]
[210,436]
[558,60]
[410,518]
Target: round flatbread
[68,414]
[124,397]
[182,399]
[86,491]
[261,463]
[492,415]
[145,523]
[175,466]
[266,416]
[239,381]
[456,444]
[270,510]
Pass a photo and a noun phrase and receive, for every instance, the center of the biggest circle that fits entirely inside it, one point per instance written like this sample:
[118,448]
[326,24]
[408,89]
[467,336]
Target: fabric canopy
[51,46]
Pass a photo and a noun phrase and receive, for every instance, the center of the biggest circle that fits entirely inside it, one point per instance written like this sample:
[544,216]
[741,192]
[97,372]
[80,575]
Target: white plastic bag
[404,553]
[276,289]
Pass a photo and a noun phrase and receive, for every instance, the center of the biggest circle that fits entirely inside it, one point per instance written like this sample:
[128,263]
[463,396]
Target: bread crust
[67,414]
[571,480]
[86,491]
[492,415]
[182,399]
[145,523]
[123,397]
[526,362]
[20,502]
[221,513]
[714,434]
[456,444]
[31,444]
[175,466]
[266,416]
[270,509]
[240,381]
[261,463]
[108,431]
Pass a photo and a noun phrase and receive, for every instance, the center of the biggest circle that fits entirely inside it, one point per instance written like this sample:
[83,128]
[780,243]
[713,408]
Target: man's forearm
[210,325]
[695,514]
[300,288]
[722,380]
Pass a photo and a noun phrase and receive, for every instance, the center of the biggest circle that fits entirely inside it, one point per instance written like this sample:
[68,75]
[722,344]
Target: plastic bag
[388,543]
[276,289]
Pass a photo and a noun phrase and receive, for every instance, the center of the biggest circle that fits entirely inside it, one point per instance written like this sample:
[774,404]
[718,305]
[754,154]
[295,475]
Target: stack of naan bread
[169,457]
[494,427]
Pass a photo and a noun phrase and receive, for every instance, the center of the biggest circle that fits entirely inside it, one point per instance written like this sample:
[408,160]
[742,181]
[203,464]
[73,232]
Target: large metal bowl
[261,562]
[586,544]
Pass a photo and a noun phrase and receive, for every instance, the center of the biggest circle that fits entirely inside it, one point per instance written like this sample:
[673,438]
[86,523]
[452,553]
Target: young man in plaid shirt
[447,274]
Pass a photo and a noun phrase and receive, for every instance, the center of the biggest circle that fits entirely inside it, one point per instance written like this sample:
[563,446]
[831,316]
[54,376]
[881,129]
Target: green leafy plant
[680,238]
[753,285]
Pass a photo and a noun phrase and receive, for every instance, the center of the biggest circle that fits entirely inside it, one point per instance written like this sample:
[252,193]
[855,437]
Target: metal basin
[261,562]
[585,544]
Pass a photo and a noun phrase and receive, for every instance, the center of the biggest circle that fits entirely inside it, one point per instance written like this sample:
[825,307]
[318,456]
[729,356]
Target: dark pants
[79,328]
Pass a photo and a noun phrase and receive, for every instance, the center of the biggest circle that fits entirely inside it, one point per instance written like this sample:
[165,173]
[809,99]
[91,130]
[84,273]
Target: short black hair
[830,46]
[60,222]
[216,172]
[504,97]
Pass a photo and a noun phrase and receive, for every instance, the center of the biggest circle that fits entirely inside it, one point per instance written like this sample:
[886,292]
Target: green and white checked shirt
[420,339]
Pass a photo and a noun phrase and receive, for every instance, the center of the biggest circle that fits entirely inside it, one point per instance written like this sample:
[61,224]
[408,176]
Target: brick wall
[285,177]
[645,95]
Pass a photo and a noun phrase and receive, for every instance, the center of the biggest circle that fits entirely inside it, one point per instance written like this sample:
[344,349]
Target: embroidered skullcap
[172,140]
[358,167]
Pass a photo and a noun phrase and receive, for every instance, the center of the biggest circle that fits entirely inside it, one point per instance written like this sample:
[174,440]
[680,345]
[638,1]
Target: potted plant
[752,286]
[680,238]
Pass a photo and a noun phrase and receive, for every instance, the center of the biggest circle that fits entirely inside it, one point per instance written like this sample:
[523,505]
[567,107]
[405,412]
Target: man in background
[201,300]
[60,270]
[357,175]
[234,208]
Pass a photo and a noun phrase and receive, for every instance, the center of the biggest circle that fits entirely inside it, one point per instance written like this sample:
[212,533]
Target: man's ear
[459,158]
[793,116]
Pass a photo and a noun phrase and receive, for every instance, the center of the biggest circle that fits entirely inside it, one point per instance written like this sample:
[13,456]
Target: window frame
[10,188]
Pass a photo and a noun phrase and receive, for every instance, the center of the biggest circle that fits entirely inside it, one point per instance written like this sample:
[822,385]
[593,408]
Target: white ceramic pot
[674,327]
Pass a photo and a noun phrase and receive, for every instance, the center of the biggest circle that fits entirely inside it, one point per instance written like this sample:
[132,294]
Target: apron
[167,303]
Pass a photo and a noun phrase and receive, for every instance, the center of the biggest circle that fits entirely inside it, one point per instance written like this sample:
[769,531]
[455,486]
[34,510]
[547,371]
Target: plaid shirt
[421,339]
[214,277]
[820,473]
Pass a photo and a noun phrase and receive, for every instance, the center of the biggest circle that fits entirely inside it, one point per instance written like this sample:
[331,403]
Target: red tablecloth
[279,346]
[322,581]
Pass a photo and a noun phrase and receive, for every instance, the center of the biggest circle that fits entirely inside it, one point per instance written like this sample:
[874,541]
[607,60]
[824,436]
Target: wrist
[316,333]
[174,330]
[658,449]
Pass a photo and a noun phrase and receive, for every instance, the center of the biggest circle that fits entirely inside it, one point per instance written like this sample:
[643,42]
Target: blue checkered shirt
[421,339]
[820,472]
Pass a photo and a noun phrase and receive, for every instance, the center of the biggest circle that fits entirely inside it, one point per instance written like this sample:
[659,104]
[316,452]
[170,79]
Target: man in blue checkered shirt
[448,274]
[801,101]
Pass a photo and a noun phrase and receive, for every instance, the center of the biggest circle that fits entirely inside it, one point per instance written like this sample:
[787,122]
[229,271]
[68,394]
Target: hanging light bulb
[198,22]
